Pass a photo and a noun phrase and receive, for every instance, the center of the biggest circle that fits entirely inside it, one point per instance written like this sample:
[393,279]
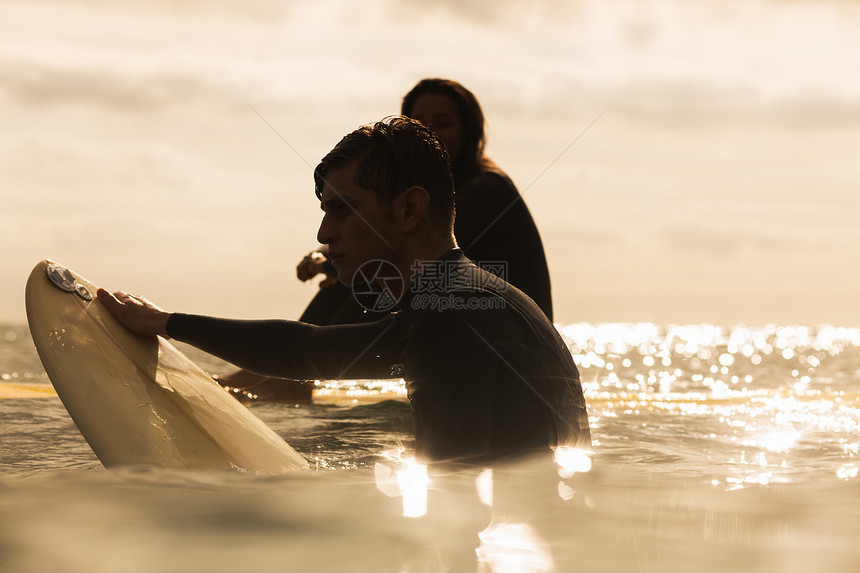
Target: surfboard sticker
[138,400]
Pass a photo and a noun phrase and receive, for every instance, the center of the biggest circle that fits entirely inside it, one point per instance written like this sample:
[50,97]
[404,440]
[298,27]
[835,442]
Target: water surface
[715,449]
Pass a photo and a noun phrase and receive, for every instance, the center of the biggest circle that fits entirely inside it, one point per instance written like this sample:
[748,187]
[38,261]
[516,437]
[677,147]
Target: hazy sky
[165,147]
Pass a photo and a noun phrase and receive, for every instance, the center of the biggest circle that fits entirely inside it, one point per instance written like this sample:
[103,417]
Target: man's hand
[135,313]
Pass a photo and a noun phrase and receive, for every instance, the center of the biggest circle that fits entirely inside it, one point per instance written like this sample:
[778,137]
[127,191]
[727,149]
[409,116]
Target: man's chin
[344,277]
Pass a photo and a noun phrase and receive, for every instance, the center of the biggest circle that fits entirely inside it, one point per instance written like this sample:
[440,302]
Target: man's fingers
[108,299]
[135,313]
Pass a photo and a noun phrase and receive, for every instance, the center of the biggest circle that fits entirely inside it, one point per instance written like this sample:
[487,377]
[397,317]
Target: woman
[492,224]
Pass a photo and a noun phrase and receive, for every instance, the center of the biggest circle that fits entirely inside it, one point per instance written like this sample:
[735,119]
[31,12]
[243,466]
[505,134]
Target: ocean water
[715,449]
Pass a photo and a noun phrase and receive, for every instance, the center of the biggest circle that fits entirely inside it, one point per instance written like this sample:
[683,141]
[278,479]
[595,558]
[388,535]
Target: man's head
[387,193]
[391,156]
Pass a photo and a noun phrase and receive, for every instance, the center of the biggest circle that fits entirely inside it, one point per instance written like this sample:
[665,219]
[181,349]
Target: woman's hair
[471,157]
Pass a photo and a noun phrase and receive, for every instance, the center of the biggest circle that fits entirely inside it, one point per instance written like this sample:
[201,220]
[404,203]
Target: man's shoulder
[456,292]
[463,319]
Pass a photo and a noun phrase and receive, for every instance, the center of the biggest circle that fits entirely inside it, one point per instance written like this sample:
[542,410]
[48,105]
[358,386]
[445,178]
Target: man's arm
[314,263]
[277,348]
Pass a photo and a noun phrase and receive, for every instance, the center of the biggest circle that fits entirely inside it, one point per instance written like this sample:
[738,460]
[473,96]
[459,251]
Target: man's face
[356,227]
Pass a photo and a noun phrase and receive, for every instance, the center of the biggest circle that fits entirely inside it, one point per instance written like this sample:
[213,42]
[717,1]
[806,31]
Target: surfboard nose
[65,280]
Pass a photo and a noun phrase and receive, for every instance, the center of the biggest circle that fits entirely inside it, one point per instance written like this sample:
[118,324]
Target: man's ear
[414,207]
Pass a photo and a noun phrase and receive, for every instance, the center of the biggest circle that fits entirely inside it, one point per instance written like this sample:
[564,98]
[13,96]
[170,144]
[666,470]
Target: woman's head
[453,113]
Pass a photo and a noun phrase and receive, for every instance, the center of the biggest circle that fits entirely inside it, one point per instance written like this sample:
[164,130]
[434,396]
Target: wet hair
[471,157]
[393,155]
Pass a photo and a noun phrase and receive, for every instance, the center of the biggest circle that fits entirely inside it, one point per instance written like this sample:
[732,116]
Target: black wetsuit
[492,225]
[487,380]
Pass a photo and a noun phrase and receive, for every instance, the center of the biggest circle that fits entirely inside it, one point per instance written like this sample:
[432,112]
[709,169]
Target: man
[488,376]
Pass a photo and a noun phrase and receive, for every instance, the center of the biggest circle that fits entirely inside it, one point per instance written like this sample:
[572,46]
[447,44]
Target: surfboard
[138,400]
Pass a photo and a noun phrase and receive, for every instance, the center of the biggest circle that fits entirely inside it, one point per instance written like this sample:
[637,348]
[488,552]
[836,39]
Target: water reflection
[505,539]
[572,460]
[513,548]
[745,394]
[413,481]
[402,476]
[716,450]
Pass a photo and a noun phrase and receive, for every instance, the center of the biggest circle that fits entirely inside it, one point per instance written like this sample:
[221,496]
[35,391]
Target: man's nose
[326,233]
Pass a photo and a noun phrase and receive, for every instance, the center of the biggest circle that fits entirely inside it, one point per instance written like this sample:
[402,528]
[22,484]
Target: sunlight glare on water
[751,396]
[514,548]
[403,476]
[572,460]
[357,391]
